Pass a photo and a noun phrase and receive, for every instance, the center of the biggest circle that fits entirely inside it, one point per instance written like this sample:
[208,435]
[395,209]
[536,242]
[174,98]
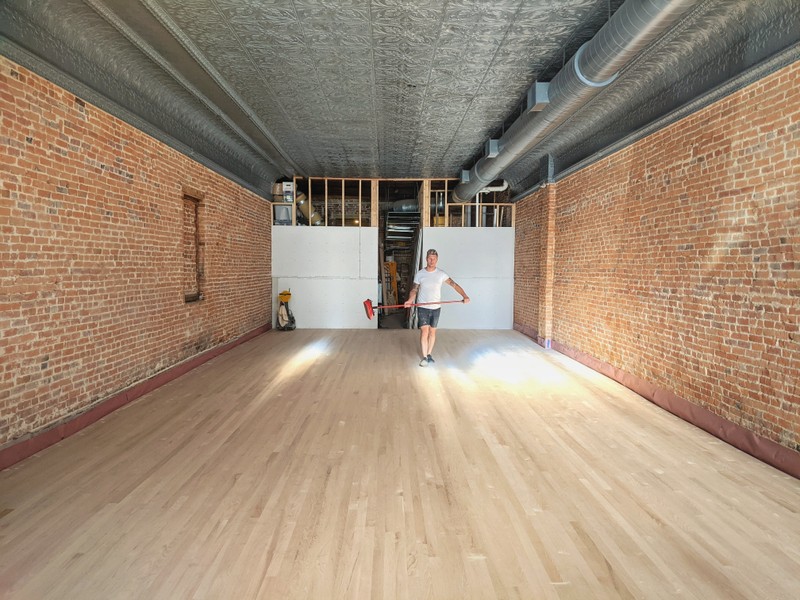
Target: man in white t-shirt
[428,288]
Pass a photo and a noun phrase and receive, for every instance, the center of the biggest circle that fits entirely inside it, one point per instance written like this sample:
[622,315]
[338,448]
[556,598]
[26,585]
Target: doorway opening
[398,235]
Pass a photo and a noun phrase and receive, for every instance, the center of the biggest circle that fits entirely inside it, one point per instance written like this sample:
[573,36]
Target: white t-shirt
[430,286]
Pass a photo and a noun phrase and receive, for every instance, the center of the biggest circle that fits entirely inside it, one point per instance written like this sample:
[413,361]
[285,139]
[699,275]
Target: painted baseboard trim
[782,458]
[23,448]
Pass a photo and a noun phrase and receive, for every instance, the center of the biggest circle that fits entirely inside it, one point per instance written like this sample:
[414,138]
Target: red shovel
[370,309]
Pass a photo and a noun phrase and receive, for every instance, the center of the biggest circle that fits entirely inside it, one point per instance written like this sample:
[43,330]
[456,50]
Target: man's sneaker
[423,362]
[430,359]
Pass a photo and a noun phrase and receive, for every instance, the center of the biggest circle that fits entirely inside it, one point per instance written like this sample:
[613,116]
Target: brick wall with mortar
[677,259]
[91,256]
[532,232]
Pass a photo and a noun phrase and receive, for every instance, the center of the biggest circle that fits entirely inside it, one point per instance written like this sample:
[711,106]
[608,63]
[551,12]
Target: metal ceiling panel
[260,89]
[720,47]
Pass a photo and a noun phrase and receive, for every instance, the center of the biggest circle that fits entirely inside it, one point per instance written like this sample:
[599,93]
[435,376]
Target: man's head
[431,258]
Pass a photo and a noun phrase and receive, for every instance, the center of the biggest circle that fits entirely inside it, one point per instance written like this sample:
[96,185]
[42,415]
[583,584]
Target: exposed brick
[91,214]
[676,259]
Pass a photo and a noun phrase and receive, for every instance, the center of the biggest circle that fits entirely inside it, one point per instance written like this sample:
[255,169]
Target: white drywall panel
[329,303]
[472,251]
[330,271]
[345,252]
[480,260]
[489,306]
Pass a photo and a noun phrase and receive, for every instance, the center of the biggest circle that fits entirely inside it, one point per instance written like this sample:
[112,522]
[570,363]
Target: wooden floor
[328,464]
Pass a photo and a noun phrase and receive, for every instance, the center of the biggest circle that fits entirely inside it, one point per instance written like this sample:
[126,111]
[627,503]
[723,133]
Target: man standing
[428,288]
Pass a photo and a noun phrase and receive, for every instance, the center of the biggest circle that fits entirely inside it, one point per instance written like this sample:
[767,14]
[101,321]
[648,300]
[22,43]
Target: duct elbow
[457,198]
[503,186]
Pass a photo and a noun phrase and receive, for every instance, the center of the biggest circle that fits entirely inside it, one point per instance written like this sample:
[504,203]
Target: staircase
[401,231]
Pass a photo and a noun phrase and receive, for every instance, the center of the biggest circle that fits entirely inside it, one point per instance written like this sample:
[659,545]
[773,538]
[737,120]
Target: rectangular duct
[538,96]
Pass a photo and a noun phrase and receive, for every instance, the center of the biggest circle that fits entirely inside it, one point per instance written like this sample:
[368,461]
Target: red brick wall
[677,260]
[533,264]
[91,256]
[529,260]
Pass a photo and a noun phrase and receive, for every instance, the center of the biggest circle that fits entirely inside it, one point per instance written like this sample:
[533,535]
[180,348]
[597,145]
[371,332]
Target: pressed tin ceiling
[260,89]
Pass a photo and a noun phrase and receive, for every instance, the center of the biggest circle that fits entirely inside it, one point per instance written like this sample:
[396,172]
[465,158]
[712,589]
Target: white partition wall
[480,260]
[330,271]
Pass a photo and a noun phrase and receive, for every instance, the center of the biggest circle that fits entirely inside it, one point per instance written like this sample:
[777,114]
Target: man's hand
[465,300]
[412,296]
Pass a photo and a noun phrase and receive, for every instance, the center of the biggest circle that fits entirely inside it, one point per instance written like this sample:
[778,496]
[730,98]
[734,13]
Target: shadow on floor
[394,320]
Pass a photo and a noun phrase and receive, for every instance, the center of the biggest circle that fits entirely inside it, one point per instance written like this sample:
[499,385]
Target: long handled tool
[370,309]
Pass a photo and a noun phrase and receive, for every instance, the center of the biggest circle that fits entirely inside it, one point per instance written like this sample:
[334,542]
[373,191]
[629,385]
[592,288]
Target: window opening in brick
[192,257]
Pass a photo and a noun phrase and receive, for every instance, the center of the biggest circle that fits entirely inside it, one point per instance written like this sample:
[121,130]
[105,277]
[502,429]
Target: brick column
[548,241]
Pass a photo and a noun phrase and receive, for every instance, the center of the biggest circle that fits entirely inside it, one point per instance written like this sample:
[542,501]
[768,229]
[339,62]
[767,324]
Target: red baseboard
[782,458]
[21,449]
[528,331]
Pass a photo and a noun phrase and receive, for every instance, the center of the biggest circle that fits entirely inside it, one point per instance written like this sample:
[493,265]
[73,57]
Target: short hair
[432,251]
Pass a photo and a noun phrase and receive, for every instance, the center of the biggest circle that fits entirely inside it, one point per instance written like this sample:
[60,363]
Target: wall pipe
[597,63]
[495,188]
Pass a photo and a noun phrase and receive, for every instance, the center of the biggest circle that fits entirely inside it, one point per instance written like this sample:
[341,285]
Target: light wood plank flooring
[328,464]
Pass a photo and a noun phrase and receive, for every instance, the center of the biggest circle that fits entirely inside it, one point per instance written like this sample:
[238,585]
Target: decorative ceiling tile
[390,88]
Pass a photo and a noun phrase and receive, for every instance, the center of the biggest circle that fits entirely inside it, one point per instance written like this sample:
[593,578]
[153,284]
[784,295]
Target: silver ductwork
[632,28]
[495,188]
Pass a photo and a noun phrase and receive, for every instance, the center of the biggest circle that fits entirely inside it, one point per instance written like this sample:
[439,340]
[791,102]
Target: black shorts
[426,316]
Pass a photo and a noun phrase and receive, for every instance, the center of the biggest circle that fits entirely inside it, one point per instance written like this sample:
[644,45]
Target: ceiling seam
[316,74]
[428,80]
[480,85]
[373,87]
[374,94]
[113,20]
[184,40]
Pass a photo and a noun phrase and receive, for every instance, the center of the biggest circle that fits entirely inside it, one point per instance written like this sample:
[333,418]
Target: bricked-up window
[192,263]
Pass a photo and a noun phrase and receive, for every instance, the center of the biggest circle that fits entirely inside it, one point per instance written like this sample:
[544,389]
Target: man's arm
[412,295]
[456,287]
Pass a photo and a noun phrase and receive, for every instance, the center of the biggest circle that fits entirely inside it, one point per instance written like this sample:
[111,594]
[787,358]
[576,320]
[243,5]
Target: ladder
[390,282]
